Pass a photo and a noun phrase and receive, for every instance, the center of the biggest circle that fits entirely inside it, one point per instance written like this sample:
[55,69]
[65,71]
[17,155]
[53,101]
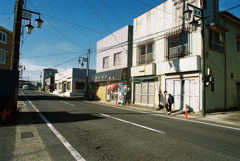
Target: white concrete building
[114,61]
[167,55]
[71,82]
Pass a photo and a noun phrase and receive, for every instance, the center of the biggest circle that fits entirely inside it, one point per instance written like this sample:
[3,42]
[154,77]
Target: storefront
[115,83]
[144,90]
[184,91]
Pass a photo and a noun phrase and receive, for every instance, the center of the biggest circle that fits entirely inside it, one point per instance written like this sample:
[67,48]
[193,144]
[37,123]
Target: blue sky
[67,41]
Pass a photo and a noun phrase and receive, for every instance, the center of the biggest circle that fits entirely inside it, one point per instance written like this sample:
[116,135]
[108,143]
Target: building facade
[114,60]
[71,82]
[6,38]
[168,55]
[46,73]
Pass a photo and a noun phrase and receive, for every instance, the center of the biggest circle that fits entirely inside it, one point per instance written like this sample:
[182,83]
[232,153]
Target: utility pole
[88,60]
[16,33]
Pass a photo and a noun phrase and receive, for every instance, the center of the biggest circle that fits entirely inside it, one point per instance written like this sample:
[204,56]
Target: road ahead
[74,129]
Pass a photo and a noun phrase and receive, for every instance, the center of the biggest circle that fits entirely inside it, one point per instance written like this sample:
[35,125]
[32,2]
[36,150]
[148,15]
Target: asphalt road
[74,129]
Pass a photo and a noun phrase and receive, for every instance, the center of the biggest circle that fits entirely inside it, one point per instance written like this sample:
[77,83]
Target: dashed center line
[67,103]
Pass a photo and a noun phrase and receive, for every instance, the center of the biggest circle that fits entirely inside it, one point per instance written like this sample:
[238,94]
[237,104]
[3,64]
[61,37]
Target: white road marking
[144,127]
[161,115]
[67,103]
[74,153]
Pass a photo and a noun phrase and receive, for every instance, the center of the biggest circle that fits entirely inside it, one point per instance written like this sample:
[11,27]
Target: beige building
[168,55]
[6,38]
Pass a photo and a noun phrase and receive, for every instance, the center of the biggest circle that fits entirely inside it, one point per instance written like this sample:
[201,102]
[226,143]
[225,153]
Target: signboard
[26,14]
[84,59]
[197,12]
[109,75]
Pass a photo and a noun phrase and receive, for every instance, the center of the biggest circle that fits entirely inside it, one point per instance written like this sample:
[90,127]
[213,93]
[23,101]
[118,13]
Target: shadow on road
[39,98]
[54,117]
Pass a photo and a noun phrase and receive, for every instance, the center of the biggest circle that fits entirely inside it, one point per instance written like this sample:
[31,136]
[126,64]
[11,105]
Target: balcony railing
[145,62]
[177,52]
[217,46]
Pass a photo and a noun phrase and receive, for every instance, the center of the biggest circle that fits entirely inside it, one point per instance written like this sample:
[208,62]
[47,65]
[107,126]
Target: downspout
[225,66]
[203,66]
[159,91]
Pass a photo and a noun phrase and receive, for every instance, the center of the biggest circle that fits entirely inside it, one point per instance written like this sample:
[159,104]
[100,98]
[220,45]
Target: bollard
[186,111]
[116,102]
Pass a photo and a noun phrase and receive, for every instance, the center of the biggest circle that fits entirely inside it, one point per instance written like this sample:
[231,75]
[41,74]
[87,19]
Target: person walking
[168,102]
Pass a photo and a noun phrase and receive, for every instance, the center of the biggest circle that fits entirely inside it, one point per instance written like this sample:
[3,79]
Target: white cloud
[33,69]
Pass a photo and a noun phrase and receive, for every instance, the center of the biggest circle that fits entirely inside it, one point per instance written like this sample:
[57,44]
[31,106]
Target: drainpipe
[159,91]
[225,66]
[203,67]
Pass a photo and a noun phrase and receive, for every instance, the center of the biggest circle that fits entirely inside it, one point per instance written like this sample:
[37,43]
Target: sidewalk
[21,140]
[226,117]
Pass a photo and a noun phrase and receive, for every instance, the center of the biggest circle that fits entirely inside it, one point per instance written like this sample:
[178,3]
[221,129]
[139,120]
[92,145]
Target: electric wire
[103,22]
[39,56]
[75,21]
[154,7]
[56,28]
[113,12]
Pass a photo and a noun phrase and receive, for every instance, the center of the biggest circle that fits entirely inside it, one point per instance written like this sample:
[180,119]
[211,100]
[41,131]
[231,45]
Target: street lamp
[194,24]
[198,12]
[29,28]
[39,22]
[187,14]
[86,60]
[79,61]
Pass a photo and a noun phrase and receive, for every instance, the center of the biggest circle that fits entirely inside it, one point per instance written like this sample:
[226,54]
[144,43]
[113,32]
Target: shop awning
[113,75]
[142,78]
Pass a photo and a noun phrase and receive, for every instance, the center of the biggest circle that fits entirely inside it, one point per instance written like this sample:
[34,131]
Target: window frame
[81,84]
[104,61]
[60,85]
[238,45]
[1,38]
[177,44]
[216,46]
[114,59]
[146,53]
[69,86]
[2,62]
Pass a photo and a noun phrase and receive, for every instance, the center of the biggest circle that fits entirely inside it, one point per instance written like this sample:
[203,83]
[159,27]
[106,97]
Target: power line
[64,62]
[56,29]
[75,21]
[51,55]
[74,24]
[113,12]
[153,6]
[103,21]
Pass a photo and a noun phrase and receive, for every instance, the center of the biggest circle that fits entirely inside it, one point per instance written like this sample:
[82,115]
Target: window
[238,45]
[216,41]
[68,85]
[146,54]
[178,44]
[117,59]
[106,62]
[2,58]
[80,85]
[55,86]
[3,37]
[60,86]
